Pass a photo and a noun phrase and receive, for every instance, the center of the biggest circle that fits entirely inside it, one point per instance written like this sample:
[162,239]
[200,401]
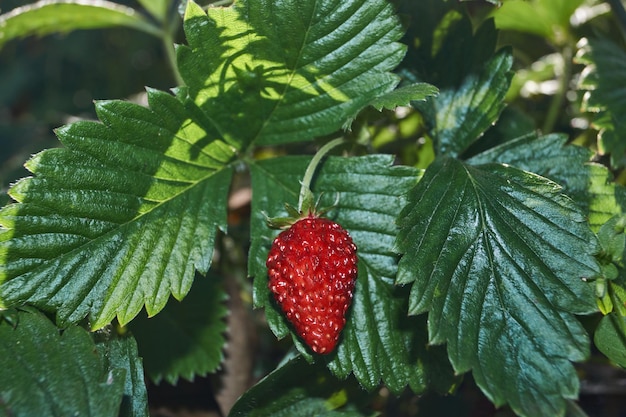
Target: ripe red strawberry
[312,269]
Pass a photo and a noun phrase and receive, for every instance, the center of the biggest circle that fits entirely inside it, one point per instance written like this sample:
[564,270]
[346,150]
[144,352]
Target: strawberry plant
[457,169]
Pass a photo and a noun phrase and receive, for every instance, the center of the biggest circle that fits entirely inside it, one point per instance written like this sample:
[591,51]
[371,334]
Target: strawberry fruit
[312,268]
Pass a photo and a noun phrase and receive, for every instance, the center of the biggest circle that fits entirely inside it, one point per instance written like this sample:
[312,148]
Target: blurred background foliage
[46,82]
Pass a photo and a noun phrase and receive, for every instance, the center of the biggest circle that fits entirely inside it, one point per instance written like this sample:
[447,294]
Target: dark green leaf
[589,184]
[610,338]
[379,343]
[44,372]
[512,124]
[297,388]
[186,339]
[46,17]
[121,352]
[459,116]
[277,73]
[120,218]
[498,257]
[445,47]
[404,95]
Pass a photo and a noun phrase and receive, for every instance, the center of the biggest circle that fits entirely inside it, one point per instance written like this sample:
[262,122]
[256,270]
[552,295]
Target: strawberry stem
[305,200]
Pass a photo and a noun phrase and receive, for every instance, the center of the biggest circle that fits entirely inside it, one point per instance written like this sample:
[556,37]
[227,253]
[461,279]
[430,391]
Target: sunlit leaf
[404,95]
[119,218]
[61,16]
[275,73]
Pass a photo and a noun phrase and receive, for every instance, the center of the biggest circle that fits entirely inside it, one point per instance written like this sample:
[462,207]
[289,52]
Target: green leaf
[404,95]
[186,339]
[610,338]
[445,47]
[297,388]
[546,18]
[157,8]
[611,133]
[121,352]
[498,258]
[61,16]
[119,218]
[48,373]
[512,124]
[617,290]
[612,238]
[379,343]
[278,73]
[605,68]
[458,116]
[589,184]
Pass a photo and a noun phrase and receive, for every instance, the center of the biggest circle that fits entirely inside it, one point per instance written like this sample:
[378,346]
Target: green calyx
[307,206]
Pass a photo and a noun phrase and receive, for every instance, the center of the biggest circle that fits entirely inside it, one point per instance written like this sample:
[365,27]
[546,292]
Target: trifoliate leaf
[120,218]
[459,116]
[186,339]
[298,388]
[605,68]
[46,17]
[610,338]
[379,343]
[498,258]
[404,95]
[45,372]
[589,184]
[121,352]
[278,73]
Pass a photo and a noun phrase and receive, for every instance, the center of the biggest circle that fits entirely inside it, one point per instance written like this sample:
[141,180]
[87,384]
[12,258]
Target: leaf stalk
[168,46]
[305,189]
[559,98]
